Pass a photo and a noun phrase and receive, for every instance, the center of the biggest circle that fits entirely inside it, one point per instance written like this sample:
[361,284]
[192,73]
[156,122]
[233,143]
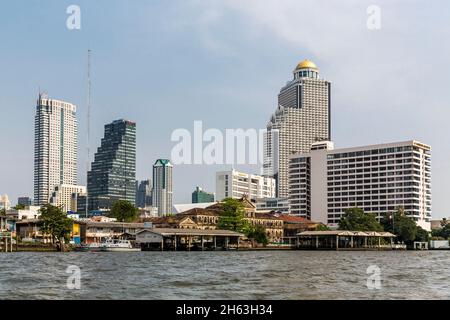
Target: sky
[166,64]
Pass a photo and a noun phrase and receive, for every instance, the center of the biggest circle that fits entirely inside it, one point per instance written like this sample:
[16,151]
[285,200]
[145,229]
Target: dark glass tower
[113,172]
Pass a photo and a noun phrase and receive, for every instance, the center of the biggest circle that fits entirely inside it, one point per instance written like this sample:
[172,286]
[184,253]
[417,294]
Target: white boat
[113,245]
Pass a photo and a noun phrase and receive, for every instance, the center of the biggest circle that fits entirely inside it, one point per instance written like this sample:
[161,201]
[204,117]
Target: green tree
[124,211]
[422,235]
[55,223]
[19,207]
[322,227]
[257,233]
[444,232]
[402,226]
[232,216]
[444,222]
[2,212]
[355,219]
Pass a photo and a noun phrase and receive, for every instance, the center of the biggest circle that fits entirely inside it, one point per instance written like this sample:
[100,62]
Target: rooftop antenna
[88,124]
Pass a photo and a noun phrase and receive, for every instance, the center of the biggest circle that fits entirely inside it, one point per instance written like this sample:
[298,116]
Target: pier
[345,240]
[187,239]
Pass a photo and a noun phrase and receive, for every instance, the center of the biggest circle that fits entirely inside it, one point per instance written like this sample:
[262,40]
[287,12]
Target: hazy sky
[165,64]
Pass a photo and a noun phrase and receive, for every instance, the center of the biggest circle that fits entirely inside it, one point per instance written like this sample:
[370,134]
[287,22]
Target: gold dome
[306,64]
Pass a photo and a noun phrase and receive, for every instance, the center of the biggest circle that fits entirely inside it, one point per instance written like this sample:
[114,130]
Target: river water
[227,275]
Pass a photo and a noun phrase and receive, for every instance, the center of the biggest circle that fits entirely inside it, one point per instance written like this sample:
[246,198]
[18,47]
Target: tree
[355,219]
[402,226]
[422,235]
[55,223]
[19,207]
[124,211]
[444,232]
[232,216]
[444,222]
[322,227]
[257,233]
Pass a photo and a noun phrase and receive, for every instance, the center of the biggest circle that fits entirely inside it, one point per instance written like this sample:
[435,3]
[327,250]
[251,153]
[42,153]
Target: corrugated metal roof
[346,233]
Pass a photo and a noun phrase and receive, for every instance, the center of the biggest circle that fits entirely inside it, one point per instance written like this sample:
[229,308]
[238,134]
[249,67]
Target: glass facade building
[113,173]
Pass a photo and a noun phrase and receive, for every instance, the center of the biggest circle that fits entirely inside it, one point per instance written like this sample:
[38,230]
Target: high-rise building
[62,196]
[236,184]
[113,173]
[24,201]
[378,178]
[4,202]
[55,147]
[162,195]
[302,118]
[201,196]
[144,194]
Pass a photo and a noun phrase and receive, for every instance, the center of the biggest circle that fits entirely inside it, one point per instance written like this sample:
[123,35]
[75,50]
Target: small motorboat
[114,245]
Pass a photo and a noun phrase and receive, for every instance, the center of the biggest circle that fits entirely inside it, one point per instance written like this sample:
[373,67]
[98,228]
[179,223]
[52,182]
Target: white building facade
[378,178]
[55,147]
[236,184]
[63,197]
[302,118]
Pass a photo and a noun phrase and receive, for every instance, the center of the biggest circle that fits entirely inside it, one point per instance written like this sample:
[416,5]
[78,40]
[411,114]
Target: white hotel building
[55,147]
[235,184]
[377,178]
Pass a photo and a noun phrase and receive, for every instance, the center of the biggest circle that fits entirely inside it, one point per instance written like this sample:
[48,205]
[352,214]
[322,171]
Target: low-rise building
[201,196]
[276,205]
[235,184]
[30,212]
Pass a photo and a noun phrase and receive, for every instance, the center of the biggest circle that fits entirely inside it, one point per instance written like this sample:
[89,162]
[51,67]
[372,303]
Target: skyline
[247,83]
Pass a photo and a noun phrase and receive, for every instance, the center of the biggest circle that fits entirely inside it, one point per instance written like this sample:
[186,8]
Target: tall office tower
[113,172]
[302,118]
[378,178]
[144,194]
[162,186]
[55,147]
[201,196]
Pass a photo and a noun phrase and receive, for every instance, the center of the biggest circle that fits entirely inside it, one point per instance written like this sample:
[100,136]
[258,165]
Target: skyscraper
[113,172]
[302,118]
[144,194]
[162,186]
[55,147]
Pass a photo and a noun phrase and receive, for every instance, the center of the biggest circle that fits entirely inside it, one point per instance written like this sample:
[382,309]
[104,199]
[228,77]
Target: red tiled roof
[294,219]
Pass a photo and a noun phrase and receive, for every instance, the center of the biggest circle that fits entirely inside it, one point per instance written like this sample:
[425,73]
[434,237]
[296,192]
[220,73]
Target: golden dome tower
[306,69]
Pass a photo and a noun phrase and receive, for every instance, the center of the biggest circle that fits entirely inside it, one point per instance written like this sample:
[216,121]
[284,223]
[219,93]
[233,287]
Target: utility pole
[88,125]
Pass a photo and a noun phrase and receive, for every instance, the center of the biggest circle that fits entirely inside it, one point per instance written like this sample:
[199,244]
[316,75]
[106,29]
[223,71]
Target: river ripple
[227,275]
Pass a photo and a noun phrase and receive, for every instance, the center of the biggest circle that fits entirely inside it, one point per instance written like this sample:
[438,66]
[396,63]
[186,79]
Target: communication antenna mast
[88,124]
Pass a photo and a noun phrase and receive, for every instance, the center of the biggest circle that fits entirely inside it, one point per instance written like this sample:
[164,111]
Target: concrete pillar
[215,242]
[237,244]
[351,241]
[203,246]
[175,243]
[162,244]
[379,242]
[317,242]
[337,242]
[189,243]
[226,242]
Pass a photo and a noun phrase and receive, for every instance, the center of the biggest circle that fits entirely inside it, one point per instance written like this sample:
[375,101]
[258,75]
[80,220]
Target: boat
[90,247]
[114,245]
